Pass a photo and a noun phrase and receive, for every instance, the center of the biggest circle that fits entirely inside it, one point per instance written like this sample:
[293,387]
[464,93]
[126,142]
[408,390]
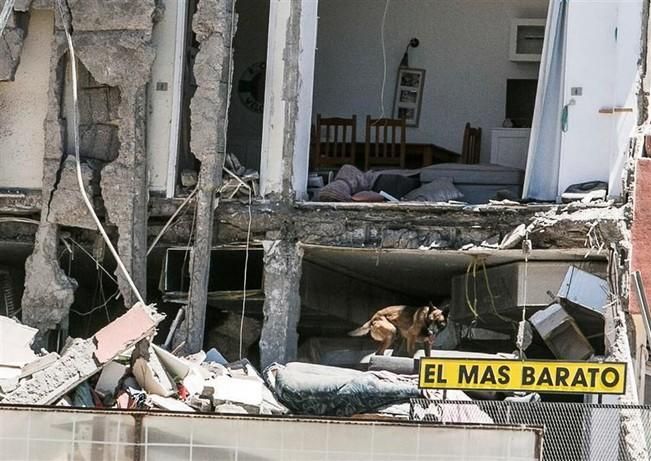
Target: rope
[80,180]
[473,308]
[490,294]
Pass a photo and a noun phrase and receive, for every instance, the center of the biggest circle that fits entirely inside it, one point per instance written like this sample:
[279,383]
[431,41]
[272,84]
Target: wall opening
[343,288]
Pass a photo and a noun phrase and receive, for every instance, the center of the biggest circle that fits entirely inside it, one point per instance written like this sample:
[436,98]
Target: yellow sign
[516,375]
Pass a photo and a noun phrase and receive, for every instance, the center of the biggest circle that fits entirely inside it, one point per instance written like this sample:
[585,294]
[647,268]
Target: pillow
[439,190]
[395,184]
[368,196]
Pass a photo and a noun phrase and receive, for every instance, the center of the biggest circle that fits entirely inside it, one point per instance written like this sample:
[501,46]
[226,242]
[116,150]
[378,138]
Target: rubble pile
[119,367]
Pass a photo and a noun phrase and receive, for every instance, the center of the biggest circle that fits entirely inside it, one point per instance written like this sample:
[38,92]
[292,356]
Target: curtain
[543,159]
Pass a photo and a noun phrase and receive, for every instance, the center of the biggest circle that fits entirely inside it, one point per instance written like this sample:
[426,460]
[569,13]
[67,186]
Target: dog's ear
[431,307]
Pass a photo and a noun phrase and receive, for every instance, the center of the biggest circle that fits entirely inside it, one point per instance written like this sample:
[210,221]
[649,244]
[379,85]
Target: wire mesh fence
[572,431]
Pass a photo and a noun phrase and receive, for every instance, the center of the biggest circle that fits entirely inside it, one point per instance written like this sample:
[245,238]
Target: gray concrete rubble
[82,358]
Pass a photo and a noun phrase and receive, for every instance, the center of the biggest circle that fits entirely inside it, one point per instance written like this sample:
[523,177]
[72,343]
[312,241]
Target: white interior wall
[161,102]
[23,107]
[464,48]
[250,47]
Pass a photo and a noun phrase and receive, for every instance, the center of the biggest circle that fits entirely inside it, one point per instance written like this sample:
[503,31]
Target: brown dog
[415,324]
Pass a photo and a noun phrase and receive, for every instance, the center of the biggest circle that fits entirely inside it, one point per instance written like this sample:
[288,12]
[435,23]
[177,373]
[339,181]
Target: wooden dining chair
[335,140]
[471,149]
[385,142]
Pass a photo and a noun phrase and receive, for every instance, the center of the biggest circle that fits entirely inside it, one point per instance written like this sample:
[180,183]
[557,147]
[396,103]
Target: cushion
[368,196]
[439,190]
[395,184]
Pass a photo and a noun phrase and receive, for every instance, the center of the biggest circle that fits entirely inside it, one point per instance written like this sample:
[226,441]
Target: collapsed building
[200,152]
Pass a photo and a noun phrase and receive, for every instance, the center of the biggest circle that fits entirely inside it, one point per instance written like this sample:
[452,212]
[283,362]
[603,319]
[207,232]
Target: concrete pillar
[282,305]
[213,24]
[288,97]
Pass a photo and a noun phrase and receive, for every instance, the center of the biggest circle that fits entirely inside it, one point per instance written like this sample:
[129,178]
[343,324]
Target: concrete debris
[16,343]
[82,358]
[110,377]
[513,238]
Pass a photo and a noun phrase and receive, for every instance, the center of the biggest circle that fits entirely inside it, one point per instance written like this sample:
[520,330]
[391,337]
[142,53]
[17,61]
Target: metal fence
[572,431]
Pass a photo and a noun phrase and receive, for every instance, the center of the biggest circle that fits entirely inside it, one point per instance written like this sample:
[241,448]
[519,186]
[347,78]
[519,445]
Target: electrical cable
[8,219]
[246,270]
[115,296]
[97,263]
[80,181]
[168,224]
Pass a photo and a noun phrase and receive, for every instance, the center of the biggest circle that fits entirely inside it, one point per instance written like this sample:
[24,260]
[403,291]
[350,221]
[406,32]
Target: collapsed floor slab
[82,358]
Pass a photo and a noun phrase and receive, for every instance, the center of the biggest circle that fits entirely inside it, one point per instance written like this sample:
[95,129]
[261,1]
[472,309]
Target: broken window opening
[225,296]
[565,298]
[245,118]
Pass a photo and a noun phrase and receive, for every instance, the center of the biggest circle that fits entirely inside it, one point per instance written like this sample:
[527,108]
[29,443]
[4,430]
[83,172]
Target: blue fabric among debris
[320,390]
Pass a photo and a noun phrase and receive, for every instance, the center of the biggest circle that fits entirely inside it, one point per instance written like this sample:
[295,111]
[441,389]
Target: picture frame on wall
[409,95]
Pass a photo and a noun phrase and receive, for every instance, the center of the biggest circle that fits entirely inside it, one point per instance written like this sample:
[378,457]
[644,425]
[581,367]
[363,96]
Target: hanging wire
[246,270]
[169,222]
[80,180]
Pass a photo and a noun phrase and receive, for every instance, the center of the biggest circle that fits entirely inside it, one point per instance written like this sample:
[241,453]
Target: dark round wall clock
[251,87]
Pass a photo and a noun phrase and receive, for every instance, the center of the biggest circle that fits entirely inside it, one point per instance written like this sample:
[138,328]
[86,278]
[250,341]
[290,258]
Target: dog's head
[436,320]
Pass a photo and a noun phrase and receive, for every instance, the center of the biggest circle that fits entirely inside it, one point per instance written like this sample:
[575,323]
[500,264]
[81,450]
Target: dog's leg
[386,343]
[383,332]
[427,345]
[411,346]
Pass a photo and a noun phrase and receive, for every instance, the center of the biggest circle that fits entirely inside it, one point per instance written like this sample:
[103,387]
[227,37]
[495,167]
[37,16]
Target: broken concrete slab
[138,322]
[111,15]
[16,343]
[170,404]
[561,333]
[39,364]
[82,358]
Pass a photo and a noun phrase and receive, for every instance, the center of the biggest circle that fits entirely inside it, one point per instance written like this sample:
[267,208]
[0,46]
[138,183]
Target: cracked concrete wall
[117,60]
[49,293]
[113,41]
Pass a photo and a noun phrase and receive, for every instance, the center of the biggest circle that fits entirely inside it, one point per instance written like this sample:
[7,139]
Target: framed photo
[409,95]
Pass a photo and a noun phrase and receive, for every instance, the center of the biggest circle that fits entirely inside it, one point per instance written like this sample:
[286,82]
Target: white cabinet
[509,147]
